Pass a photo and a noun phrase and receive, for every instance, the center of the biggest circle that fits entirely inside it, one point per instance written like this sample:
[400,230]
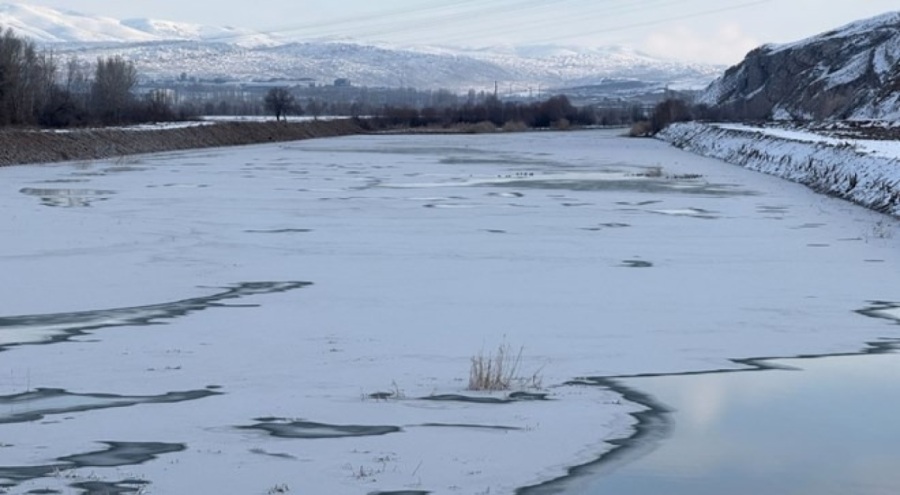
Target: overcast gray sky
[719,31]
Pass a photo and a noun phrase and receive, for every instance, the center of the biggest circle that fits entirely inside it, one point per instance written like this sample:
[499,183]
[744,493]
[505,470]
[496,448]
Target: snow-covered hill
[43,24]
[850,72]
[48,25]
[165,49]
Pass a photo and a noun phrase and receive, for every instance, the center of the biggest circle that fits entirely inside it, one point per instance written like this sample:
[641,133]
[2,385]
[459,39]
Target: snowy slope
[865,172]
[851,72]
[47,25]
[368,65]
[168,30]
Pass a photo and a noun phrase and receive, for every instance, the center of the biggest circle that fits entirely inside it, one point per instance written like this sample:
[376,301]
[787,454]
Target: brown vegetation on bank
[21,146]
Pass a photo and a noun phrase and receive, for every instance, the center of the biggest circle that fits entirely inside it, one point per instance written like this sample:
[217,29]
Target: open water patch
[636,264]
[276,455]
[116,454]
[741,431]
[68,198]
[606,226]
[468,399]
[309,430]
[117,169]
[62,181]
[512,160]
[37,404]
[882,309]
[401,492]
[471,426]
[279,231]
[807,226]
[60,327]
[119,454]
[510,398]
[123,487]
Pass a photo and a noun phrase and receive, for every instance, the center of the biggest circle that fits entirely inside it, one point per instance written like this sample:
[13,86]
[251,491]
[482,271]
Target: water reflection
[825,427]
[67,198]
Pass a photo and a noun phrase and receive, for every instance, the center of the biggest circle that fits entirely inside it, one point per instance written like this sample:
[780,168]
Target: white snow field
[297,279]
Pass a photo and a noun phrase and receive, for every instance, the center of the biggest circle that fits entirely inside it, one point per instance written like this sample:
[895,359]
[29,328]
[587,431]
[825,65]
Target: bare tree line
[36,89]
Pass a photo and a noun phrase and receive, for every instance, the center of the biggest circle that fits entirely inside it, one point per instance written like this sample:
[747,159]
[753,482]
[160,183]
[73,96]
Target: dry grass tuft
[495,372]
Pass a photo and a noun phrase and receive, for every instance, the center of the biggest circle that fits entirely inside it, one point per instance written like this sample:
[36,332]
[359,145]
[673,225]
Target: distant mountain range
[852,72]
[165,50]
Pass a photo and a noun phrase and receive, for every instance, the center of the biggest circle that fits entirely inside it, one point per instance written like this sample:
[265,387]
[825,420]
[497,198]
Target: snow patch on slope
[863,27]
[49,25]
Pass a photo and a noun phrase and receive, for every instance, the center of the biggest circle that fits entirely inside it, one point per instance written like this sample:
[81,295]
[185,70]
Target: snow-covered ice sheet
[392,261]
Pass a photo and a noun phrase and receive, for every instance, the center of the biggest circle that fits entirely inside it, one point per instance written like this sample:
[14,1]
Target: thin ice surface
[404,293]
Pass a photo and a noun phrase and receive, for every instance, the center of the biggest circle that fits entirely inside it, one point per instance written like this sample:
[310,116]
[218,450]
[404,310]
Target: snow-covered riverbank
[863,171]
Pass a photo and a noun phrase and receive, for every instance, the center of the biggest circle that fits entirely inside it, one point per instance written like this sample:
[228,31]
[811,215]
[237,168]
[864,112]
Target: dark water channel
[816,426]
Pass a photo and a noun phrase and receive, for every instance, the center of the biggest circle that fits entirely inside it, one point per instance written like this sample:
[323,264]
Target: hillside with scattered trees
[37,89]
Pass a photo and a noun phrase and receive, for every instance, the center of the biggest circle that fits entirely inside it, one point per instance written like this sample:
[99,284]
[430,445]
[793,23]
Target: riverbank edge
[838,170]
[28,146]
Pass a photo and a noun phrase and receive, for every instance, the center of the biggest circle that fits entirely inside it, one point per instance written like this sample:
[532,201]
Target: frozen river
[285,316]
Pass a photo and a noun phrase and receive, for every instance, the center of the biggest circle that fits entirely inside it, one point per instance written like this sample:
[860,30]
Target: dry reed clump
[515,126]
[641,129]
[495,372]
[483,127]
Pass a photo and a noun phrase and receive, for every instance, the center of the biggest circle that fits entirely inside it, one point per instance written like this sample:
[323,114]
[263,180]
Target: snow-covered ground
[864,171]
[889,149]
[269,118]
[153,126]
[221,318]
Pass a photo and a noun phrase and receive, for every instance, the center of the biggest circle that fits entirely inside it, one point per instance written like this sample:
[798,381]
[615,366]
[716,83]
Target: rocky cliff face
[850,73]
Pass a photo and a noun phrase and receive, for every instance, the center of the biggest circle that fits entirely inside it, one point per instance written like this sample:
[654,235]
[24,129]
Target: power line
[503,17]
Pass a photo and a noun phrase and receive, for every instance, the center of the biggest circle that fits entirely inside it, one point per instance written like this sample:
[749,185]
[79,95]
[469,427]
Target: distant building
[342,83]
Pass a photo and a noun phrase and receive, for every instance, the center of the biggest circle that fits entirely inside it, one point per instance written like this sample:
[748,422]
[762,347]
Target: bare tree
[77,80]
[111,92]
[27,79]
[315,107]
[279,101]
[667,112]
